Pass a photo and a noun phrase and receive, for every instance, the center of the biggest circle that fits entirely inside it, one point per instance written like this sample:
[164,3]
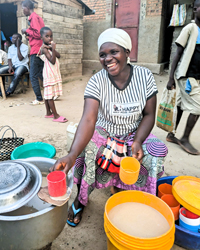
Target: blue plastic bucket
[183,237]
[34,149]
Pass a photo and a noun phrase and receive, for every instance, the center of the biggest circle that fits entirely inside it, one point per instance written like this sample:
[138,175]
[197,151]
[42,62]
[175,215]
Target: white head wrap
[114,35]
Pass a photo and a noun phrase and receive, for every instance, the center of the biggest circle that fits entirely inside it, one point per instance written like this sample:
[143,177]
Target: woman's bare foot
[185,144]
[171,138]
[77,218]
[49,113]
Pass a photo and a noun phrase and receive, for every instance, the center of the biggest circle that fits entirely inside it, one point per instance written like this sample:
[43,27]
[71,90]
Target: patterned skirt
[52,90]
[90,176]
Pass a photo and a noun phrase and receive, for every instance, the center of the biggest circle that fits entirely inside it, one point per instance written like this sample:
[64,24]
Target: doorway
[8,22]
[127,14]
[166,32]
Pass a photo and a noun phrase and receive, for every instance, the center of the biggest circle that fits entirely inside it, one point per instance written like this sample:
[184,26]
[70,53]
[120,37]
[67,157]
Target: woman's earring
[128,60]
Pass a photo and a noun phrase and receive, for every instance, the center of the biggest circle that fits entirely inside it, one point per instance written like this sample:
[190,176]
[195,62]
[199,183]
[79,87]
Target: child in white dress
[52,81]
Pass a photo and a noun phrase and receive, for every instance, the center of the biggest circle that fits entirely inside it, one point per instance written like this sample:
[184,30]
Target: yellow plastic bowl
[120,240]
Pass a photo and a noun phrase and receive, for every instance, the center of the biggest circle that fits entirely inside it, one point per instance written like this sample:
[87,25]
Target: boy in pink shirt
[33,34]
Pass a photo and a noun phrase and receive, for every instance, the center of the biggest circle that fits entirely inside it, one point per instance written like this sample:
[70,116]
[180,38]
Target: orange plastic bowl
[172,203]
[164,189]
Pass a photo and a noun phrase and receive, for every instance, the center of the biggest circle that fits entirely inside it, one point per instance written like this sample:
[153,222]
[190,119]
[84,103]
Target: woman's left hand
[137,151]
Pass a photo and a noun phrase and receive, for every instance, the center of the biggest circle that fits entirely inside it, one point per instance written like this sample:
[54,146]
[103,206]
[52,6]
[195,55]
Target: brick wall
[66,22]
[102,9]
[154,7]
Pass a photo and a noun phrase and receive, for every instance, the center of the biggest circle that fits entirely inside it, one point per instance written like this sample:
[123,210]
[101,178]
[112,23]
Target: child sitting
[52,81]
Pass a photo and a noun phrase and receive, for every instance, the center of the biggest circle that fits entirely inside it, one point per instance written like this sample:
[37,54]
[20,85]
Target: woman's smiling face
[113,58]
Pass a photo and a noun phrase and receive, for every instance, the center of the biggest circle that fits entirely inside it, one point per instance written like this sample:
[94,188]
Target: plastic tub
[33,149]
[120,240]
[183,237]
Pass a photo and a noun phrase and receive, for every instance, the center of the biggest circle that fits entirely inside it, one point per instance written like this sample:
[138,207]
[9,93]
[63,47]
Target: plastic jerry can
[71,130]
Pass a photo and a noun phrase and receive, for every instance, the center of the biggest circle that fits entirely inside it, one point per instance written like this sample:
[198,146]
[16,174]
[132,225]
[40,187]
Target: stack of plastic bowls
[165,193]
[189,221]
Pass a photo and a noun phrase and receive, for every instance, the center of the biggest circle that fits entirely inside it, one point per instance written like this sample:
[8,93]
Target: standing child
[35,42]
[52,81]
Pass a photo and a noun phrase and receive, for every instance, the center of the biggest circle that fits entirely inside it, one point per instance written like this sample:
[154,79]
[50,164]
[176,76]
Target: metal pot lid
[19,183]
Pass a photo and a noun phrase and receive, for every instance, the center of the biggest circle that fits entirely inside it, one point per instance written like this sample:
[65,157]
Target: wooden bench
[22,83]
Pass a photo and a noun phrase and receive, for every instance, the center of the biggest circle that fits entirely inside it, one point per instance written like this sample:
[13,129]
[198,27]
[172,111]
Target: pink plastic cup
[57,183]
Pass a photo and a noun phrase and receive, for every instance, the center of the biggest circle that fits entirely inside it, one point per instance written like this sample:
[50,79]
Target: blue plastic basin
[33,149]
[183,237]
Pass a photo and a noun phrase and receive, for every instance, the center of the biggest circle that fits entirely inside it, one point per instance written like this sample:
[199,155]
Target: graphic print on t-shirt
[124,109]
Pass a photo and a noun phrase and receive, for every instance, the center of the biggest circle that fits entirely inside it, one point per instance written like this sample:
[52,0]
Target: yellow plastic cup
[129,170]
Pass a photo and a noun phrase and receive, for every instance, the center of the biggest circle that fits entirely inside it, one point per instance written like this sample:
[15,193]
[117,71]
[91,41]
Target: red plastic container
[191,215]
[57,183]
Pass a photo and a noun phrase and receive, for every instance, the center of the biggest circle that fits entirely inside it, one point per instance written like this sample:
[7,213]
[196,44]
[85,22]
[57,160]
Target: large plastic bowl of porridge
[117,239]
[37,223]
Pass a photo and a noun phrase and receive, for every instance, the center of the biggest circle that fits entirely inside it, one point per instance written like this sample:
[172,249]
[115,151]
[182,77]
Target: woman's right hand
[171,84]
[63,164]
[137,151]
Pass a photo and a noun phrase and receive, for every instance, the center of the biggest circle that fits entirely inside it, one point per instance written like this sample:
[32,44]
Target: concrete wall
[93,26]
[151,37]
[65,18]
[149,31]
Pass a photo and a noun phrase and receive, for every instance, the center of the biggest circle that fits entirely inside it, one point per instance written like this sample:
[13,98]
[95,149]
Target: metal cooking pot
[36,230]
[19,183]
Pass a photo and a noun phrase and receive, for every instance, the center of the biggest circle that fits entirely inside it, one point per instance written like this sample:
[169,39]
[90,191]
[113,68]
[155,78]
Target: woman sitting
[120,102]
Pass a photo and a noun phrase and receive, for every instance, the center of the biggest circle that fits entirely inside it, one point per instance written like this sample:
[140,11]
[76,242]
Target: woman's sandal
[187,150]
[75,211]
[171,138]
[60,119]
[49,116]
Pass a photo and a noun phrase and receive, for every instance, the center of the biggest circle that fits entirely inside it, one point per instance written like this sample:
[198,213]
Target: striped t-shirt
[120,110]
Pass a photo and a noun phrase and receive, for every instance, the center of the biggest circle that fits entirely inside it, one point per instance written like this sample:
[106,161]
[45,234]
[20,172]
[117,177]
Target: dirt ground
[29,122]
